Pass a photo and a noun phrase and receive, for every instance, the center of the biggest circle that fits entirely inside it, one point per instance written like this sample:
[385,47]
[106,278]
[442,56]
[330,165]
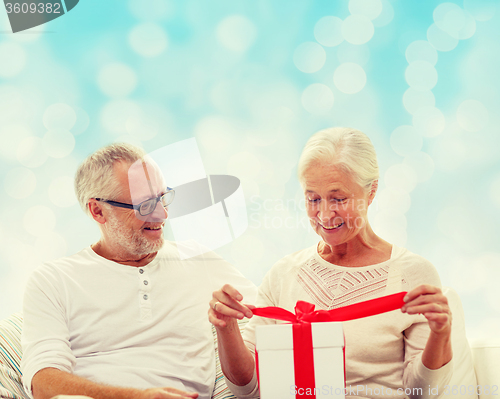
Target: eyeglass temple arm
[147,177]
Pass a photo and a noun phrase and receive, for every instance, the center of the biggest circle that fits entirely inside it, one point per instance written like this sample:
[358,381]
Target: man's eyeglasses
[145,207]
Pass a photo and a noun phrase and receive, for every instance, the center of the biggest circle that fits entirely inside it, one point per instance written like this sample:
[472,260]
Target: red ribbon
[302,334]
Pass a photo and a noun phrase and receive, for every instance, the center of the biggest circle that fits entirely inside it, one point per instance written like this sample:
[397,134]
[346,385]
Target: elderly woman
[410,348]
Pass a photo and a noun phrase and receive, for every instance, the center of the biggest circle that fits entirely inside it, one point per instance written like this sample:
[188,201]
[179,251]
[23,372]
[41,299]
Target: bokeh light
[469,27]
[244,164]
[429,121]
[216,135]
[30,152]
[20,183]
[481,10]
[59,116]
[141,128]
[12,136]
[421,50]
[13,59]
[39,220]
[357,29]
[386,16]
[452,19]
[58,143]
[328,31]
[317,99]
[421,75]
[62,191]
[401,177]
[148,39]
[82,121]
[394,200]
[349,78]
[472,115]
[440,39]
[12,103]
[495,190]
[309,57]
[413,100]
[369,8]
[116,113]
[156,10]
[449,153]
[422,164]
[405,140]
[236,33]
[117,80]
[449,18]
[358,54]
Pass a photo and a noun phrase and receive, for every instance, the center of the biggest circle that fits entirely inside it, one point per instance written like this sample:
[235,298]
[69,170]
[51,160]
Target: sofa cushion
[486,355]
[11,385]
[221,391]
[464,375]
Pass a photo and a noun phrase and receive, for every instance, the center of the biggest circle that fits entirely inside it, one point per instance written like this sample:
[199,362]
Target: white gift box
[274,344]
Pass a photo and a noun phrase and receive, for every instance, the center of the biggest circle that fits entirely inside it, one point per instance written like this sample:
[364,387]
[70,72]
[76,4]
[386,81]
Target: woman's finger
[229,302]
[426,308]
[421,290]
[426,299]
[232,292]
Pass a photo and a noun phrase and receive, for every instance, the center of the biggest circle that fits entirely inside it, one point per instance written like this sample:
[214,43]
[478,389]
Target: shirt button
[141,271]
[145,282]
[145,297]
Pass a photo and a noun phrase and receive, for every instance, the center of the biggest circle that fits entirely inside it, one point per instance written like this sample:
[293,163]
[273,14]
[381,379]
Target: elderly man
[125,317]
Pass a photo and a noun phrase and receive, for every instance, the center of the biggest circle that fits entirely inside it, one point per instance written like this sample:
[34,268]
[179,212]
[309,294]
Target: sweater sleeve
[45,335]
[419,379]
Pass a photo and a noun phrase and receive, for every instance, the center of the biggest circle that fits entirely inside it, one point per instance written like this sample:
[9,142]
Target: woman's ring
[215,305]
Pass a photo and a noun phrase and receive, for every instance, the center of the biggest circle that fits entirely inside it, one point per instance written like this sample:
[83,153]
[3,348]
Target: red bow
[302,334]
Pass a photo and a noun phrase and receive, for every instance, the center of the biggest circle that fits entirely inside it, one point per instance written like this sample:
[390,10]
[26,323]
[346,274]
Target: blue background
[251,82]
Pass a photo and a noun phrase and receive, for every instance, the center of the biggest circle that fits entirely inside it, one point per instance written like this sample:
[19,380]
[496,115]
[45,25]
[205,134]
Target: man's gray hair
[346,148]
[95,178]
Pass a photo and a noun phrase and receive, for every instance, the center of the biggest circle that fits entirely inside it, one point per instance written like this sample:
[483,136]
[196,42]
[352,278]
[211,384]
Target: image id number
[33,8]
[483,390]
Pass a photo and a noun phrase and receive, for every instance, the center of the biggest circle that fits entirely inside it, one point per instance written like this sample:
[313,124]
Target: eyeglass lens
[149,206]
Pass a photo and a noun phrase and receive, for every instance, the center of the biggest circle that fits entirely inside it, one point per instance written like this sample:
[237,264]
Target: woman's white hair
[346,148]
[95,176]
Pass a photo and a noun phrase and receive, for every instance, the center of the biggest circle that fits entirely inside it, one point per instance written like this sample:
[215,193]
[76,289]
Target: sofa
[479,367]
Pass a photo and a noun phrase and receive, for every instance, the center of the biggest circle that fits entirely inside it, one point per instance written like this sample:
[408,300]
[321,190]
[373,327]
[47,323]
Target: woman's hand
[431,302]
[235,359]
[226,306]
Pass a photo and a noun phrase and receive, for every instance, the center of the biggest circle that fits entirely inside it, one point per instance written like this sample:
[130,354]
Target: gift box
[282,377]
[306,359]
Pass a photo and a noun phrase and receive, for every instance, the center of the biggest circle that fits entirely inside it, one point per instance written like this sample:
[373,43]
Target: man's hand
[168,393]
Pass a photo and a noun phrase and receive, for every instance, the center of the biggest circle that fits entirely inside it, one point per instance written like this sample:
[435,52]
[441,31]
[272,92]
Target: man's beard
[132,241]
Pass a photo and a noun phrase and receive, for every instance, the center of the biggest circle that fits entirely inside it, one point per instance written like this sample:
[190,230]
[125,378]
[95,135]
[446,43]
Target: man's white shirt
[127,326]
